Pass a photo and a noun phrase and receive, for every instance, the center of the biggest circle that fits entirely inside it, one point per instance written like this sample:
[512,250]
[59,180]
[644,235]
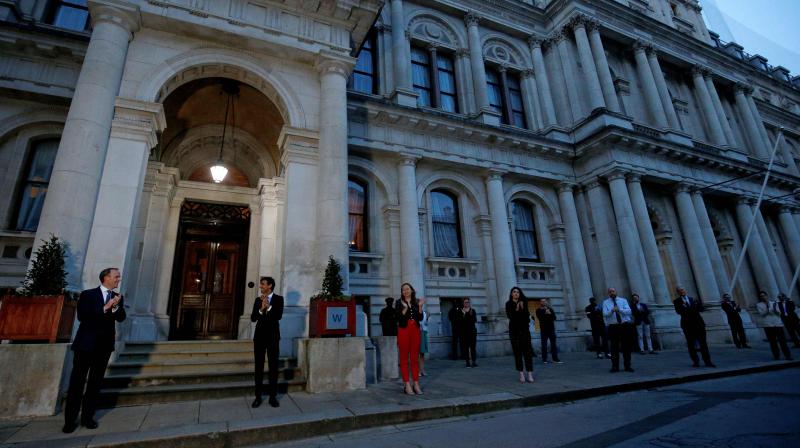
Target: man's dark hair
[106,272]
[389,301]
[270,281]
[763,292]
[592,299]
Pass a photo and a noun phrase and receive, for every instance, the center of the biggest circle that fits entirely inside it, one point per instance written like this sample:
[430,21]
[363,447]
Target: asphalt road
[760,410]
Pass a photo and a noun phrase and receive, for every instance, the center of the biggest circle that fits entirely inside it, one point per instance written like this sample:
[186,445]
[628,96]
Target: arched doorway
[213,243]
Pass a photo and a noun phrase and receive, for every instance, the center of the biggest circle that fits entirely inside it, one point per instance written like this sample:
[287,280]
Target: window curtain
[356,199]
[445,226]
[36,183]
[525,231]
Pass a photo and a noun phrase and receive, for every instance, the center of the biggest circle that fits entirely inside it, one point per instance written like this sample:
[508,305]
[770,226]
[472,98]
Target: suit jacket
[595,315]
[388,320]
[412,313]
[97,330]
[732,311]
[468,322]
[547,322]
[268,325]
[690,315]
[641,316]
[518,320]
[789,304]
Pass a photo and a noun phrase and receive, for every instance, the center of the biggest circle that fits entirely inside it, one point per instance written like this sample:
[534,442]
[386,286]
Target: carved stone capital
[406,159]
[125,15]
[527,73]
[535,41]
[471,19]
[616,174]
[338,65]
[634,178]
[640,45]
[683,187]
[462,53]
[566,187]
[494,175]
[577,21]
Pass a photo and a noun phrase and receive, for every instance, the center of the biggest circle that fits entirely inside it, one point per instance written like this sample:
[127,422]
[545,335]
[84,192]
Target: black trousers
[621,338]
[455,342]
[775,336]
[468,343]
[600,338]
[737,332]
[271,349]
[85,364]
[522,348]
[549,335]
[696,337]
[791,326]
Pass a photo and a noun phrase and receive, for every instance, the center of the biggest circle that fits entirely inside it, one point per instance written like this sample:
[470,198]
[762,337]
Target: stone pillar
[695,245]
[608,243]
[164,274]
[593,256]
[603,70]
[711,242]
[570,299]
[596,99]
[651,98]
[791,237]
[403,92]
[252,268]
[530,98]
[495,318]
[69,207]
[542,81]
[633,256]
[411,245]
[501,235]
[755,249]
[271,194]
[579,267]
[663,90]
[332,182]
[759,123]
[391,215]
[710,114]
[487,115]
[655,268]
[766,239]
[464,85]
[753,136]
[723,119]
[567,67]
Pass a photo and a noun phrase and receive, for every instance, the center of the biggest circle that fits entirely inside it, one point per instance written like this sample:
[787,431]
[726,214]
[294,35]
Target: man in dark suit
[789,318]
[98,311]
[267,313]
[454,316]
[388,318]
[595,314]
[693,326]
[732,310]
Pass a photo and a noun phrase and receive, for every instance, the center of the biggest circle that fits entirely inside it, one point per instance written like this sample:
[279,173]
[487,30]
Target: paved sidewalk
[450,390]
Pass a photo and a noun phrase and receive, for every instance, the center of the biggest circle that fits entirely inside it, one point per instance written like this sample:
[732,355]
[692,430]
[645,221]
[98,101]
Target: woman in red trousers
[408,336]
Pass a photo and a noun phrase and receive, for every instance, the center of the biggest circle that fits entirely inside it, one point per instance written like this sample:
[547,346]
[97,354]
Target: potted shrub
[41,310]
[332,314]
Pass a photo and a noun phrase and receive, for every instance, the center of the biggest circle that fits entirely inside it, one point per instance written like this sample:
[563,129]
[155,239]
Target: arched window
[525,231]
[35,183]
[357,213]
[446,231]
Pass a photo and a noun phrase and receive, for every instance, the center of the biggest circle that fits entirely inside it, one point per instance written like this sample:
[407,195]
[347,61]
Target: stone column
[759,122]
[567,67]
[501,235]
[133,134]
[579,267]
[391,215]
[479,70]
[608,243]
[69,207]
[164,274]
[411,245]
[723,119]
[596,99]
[709,112]
[593,256]
[603,70]
[658,279]
[332,230]
[542,81]
[495,318]
[252,267]
[663,90]
[651,98]
[271,199]
[766,239]
[464,82]
[711,242]
[755,249]
[403,92]
[530,98]
[791,237]
[570,299]
[753,136]
[633,256]
[696,246]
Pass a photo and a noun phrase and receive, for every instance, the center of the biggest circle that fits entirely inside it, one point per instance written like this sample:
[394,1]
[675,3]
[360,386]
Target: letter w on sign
[336,319]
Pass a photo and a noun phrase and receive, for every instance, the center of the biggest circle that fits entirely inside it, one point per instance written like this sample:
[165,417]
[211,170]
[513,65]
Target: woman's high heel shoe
[521,377]
[408,390]
[417,389]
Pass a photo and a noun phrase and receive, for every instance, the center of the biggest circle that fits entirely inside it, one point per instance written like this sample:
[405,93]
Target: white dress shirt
[625,312]
[269,307]
[105,291]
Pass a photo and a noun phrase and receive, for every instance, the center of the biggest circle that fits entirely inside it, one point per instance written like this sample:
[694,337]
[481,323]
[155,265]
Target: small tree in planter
[41,309]
[326,316]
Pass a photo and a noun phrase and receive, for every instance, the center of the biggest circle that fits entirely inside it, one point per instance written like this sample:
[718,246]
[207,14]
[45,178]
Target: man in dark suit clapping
[267,313]
[693,326]
[98,311]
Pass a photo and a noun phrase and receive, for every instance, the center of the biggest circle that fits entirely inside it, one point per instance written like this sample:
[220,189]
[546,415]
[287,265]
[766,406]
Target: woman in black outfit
[518,319]
[469,334]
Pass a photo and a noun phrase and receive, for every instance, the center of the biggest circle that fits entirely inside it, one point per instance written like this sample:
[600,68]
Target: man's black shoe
[69,427]
[274,402]
[256,403]
[89,424]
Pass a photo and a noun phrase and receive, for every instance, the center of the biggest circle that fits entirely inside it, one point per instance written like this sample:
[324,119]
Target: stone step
[184,346]
[131,396]
[230,354]
[184,367]
[117,381]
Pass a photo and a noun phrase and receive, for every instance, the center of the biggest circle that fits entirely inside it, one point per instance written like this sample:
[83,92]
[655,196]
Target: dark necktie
[619,318]
[108,296]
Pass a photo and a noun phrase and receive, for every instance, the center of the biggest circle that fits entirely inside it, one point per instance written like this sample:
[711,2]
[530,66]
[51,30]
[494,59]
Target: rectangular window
[446,231]
[525,231]
[70,14]
[505,96]
[495,91]
[515,100]
[357,215]
[447,83]
[421,76]
[364,78]
[35,184]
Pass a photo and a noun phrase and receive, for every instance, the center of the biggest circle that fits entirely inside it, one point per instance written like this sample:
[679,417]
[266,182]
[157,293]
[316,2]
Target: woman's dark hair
[635,295]
[413,293]
[521,294]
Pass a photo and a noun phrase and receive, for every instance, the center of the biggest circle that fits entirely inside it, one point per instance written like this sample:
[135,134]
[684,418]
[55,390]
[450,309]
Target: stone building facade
[563,146]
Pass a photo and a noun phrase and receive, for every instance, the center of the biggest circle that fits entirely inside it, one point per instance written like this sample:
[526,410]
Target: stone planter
[387,357]
[332,318]
[33,386]
[37,318]
[332,364]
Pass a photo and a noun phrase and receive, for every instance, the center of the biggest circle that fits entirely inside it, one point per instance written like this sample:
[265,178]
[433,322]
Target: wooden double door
[210,278]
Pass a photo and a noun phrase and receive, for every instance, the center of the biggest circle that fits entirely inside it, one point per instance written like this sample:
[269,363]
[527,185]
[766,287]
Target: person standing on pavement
[546,316]
[454,316]
[469,333]
[99,309]
[388,319]
[423,344]
[267,314]
[693,326]
[599,334]
[789,318]
[641,318]
[769,319]
[618,316]
[732,310]
[408,337]
[518,319]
